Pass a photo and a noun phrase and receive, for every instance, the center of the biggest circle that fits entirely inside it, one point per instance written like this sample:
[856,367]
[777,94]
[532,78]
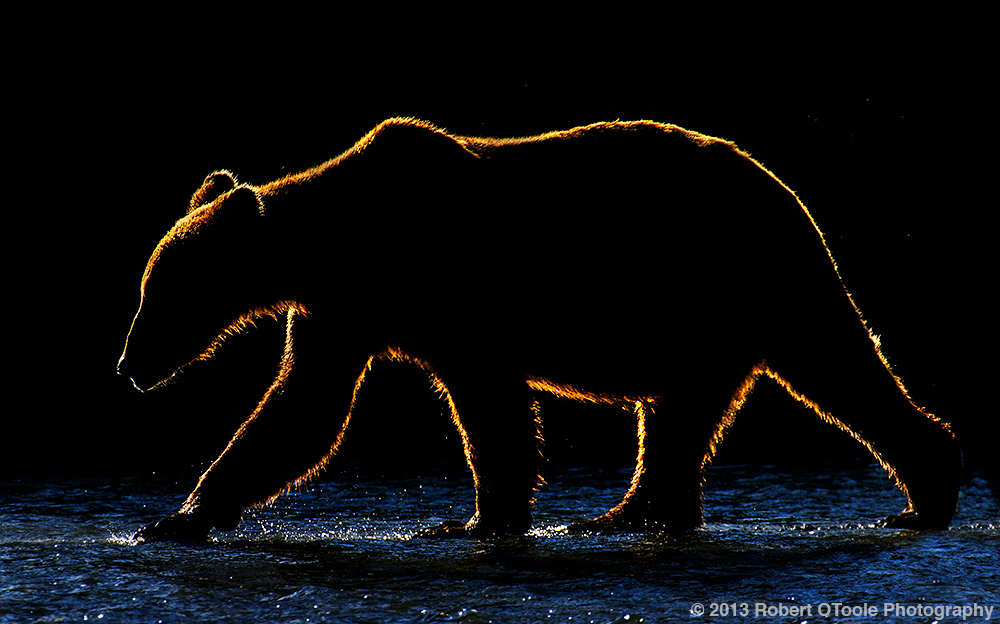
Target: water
[346,553]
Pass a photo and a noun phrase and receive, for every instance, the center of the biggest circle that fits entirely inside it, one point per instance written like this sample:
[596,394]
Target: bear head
[203,282]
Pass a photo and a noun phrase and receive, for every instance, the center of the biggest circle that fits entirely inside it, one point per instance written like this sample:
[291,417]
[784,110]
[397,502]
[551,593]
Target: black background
[881,126]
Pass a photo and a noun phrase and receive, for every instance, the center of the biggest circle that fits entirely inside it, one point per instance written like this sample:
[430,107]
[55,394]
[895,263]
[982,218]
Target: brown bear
[632,263]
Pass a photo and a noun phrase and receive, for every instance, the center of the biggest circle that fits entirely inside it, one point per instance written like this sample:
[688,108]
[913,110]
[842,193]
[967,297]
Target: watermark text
[865,610]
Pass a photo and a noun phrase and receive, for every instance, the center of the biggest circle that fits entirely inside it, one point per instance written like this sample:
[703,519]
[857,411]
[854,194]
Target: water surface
[345,551]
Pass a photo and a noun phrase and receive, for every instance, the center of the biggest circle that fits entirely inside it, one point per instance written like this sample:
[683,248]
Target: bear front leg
[290,436]
[665,492]
[494,412]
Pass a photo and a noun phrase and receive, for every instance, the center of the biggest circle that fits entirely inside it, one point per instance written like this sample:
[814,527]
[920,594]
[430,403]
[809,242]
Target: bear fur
[632,263]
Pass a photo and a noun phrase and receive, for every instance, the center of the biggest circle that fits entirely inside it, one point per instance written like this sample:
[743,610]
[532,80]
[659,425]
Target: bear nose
[124,371]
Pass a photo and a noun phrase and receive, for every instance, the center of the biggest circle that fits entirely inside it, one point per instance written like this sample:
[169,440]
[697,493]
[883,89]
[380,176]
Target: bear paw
[175,528]
[622,521]
[493,527]
[185,527]
[447,529]
[910,519]
[612,523]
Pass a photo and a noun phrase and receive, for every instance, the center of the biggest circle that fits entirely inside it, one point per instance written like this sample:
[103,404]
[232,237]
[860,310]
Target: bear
[638,264]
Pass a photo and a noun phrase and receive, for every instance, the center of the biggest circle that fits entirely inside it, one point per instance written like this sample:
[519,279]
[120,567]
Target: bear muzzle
[123,371]
[142,382]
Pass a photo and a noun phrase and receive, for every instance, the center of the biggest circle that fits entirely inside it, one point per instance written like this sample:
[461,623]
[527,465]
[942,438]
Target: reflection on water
[345,551]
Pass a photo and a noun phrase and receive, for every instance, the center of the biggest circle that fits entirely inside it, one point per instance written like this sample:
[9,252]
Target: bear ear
[216,184]
[242,202]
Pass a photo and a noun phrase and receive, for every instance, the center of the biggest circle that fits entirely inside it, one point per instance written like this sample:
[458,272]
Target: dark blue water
[344,551]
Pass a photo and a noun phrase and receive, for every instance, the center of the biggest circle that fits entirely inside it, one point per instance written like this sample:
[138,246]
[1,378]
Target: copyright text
[841,610]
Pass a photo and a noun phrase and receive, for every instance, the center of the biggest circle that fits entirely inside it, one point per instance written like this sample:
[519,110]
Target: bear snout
[125,370]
